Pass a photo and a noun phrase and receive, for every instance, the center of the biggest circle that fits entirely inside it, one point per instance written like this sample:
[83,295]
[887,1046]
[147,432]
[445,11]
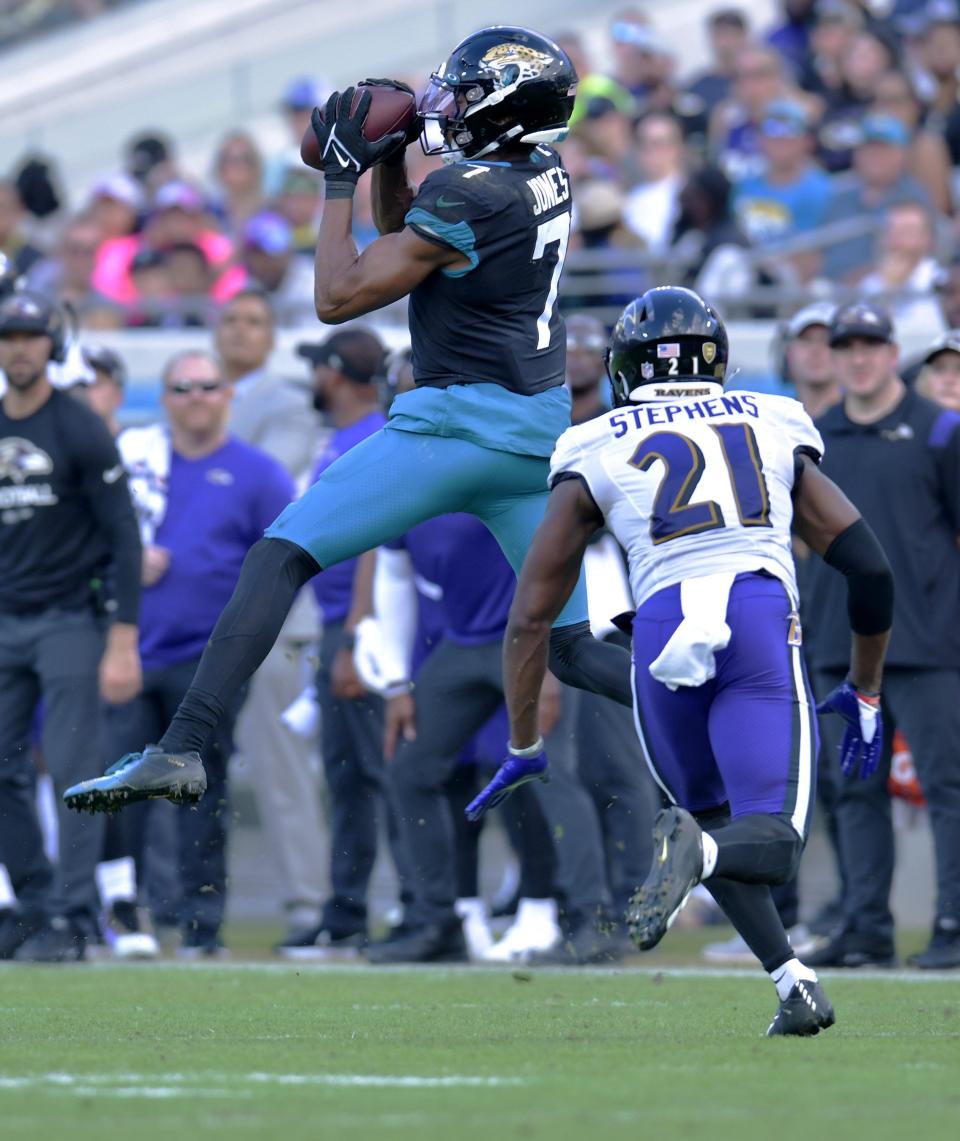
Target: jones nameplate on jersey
[550,189]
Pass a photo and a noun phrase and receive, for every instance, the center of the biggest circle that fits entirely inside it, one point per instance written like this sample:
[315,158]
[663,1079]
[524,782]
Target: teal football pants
[396,479]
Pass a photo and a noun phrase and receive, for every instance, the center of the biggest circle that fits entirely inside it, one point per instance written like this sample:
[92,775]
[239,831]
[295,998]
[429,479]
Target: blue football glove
[514,772]
[863,741]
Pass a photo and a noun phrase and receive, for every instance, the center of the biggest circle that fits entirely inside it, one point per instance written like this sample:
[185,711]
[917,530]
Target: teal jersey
[486,414]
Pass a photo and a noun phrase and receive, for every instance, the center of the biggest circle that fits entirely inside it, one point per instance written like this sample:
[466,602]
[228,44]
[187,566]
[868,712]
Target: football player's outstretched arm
[348,284]
[547,578]
[830,524]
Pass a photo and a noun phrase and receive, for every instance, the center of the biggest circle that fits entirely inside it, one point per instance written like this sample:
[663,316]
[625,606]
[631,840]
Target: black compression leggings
[272,574]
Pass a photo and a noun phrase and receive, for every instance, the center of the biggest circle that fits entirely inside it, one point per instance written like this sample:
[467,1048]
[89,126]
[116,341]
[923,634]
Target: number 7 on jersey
[553,230]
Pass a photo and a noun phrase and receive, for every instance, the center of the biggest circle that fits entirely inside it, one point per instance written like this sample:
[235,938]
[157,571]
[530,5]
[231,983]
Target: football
[391,109]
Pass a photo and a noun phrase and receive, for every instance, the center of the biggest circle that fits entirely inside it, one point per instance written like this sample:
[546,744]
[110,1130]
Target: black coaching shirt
[496,319]
[65,512]
[903,473]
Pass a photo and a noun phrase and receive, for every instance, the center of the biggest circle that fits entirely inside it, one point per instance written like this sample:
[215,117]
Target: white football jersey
[696,487]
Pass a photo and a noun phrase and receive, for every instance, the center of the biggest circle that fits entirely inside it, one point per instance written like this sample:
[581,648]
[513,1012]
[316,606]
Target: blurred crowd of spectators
[806,161]
[814,159]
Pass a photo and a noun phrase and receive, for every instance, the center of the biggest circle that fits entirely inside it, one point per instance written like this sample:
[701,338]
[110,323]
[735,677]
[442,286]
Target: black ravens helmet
[500,85]
[25,312]
[664,344]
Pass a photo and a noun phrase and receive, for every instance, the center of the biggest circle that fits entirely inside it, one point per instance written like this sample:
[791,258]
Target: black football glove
[395,158]
[346,154]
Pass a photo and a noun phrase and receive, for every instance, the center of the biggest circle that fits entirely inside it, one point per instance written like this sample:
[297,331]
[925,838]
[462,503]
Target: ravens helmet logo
[20,459]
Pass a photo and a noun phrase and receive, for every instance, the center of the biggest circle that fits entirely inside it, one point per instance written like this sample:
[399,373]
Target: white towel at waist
[689,658]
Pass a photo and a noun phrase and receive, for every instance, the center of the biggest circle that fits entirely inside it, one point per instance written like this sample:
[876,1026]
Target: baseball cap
[820,313]
[640,36]
[178,195]
[121,188]
[301,94]
[27,313]
[861,319]
[144,153]
[948,342]
[357,353]
[785,119]
[268,232]
[884,129]
[102,359]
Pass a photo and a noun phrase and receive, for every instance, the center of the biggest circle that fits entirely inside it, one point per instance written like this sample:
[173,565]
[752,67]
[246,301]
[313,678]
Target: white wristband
[529,751]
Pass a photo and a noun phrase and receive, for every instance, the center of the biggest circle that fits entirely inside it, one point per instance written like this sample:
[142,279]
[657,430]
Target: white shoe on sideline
[534,929]
[476,927]
[127,932]
[735,951]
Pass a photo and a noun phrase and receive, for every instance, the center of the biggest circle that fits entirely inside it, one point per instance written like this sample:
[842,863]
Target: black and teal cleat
[150,775]
[675,872]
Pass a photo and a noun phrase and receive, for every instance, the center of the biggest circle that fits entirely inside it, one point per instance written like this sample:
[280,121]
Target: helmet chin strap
[498,142]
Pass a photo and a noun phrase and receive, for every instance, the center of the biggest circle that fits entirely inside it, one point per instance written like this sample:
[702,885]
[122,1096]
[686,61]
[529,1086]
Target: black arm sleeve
[105,484]
[580,660]
[856,553]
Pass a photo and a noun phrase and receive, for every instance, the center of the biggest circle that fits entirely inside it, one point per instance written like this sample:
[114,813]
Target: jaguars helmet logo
[515,63]
[20,459]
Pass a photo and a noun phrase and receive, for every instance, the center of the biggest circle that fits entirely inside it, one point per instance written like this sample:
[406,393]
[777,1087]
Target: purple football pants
[748,737]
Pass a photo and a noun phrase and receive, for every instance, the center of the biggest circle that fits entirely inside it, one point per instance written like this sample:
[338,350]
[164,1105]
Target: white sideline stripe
[458,971]
[177,1085]
[644,748]
[806,758]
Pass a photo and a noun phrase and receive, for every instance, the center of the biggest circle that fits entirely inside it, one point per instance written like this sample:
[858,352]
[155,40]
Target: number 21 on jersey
[673,514]
[555,231]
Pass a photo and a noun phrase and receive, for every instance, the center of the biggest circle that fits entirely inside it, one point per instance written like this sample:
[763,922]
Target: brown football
[391,109]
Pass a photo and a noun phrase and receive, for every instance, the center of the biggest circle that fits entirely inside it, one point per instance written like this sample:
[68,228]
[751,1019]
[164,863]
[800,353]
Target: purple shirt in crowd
[459,555]
[334,585]
[217,508]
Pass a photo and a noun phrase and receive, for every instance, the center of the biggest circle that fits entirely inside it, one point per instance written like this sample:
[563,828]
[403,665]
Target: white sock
[116,880]
[785,977]
[710,853]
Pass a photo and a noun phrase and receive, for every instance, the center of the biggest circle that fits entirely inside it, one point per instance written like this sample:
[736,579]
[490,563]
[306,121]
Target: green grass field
[259,1050]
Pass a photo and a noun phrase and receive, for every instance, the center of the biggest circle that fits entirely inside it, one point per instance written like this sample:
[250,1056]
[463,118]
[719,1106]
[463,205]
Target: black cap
[948,342]
[145,152]
[27,313]
[105,360]
[861,319]
[356,353]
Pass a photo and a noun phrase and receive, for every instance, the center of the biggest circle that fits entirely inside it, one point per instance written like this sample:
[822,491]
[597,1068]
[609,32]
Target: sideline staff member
[65,517]
[897,456]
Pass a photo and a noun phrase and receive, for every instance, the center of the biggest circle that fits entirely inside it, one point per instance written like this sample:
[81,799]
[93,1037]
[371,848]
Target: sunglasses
[185,387]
